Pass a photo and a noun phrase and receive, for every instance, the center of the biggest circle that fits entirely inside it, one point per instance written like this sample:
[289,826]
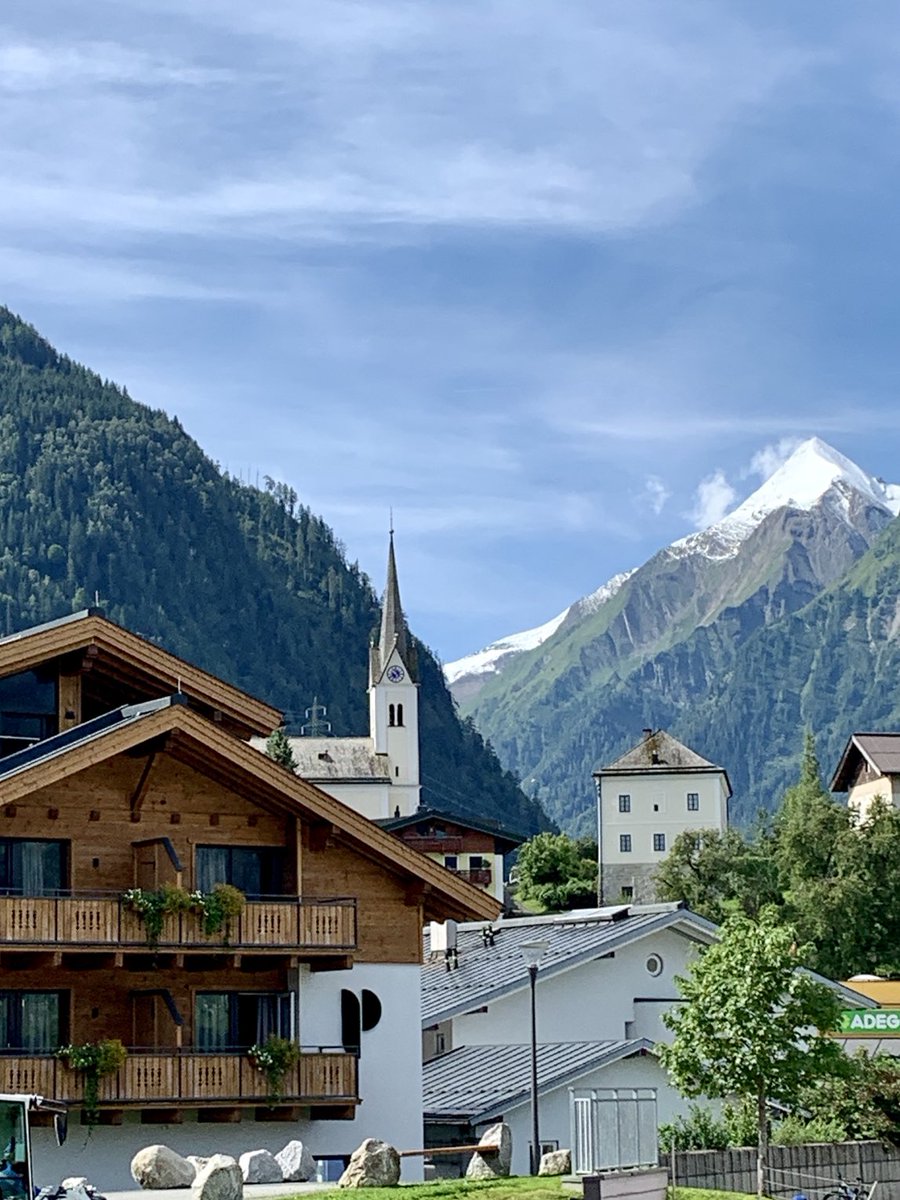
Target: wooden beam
[137,796]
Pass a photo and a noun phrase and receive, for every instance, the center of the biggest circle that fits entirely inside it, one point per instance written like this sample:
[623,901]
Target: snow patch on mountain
[487,661]
[814,473]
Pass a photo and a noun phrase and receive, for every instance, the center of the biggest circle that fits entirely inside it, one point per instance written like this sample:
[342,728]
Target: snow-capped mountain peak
[813,470]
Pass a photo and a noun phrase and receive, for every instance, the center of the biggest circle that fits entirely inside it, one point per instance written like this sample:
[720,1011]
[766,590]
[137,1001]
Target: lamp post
[533,952]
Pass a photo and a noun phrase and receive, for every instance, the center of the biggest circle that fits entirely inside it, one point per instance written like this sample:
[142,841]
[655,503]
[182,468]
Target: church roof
[350,759]
[394,634]
[660,753]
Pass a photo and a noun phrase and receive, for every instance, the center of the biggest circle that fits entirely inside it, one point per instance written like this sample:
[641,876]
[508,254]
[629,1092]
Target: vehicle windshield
[14,1181]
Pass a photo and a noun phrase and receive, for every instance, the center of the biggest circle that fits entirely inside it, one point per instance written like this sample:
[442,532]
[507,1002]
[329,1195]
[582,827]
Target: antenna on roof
[178,685]
[96,598]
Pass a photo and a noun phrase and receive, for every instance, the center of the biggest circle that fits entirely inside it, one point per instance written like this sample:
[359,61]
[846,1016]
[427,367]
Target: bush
[795,1131]
[699,1130]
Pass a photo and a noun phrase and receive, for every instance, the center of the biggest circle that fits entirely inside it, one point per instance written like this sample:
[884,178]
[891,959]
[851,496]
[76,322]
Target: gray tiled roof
[68,619]
[478,1082]
[488,972]
[659,752]
[350,759]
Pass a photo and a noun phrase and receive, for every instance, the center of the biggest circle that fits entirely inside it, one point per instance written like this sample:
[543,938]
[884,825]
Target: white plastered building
[655,791]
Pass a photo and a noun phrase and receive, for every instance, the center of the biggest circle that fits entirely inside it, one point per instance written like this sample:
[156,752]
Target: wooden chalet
[124,767]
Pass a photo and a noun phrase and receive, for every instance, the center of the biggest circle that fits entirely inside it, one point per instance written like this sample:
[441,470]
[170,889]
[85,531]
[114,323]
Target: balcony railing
[432,844]
[480,876]
[96,921]
[184,1077]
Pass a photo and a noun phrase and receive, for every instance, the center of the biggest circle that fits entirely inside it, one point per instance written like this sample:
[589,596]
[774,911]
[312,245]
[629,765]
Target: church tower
[394,697]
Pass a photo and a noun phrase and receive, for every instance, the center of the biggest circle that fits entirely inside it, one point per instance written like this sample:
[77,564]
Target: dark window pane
[256,870]
[33,867]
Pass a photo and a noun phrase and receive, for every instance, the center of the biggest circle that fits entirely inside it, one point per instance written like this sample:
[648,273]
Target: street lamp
[533,952]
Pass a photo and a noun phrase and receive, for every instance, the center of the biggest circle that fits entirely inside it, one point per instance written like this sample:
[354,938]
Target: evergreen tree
[279,748]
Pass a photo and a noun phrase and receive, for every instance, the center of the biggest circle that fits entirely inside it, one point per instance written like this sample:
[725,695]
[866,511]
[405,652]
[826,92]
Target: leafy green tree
[719,873]
[279,748]
[553,872]
[865,1100]
[750,1025]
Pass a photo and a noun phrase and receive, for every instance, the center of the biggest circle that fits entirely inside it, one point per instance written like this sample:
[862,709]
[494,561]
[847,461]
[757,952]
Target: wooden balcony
[432,844]
[185,1078]
[95,922]
[479,876]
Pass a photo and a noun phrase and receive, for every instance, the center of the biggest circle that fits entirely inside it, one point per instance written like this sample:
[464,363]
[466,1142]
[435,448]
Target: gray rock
[160,1167]
[373,1164]
[220,1179]
[260,1166]
[197,1162]
[76,1187]
[492,1164]
[296,1162]
[556,1162]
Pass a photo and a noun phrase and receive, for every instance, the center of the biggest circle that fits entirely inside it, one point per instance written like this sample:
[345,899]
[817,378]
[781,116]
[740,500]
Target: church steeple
[394,634]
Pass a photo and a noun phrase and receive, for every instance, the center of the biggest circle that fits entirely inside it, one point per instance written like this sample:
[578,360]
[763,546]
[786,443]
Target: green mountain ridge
[663,652]
[102,497]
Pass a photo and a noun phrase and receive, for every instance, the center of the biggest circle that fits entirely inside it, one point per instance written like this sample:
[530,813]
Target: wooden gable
[101,666]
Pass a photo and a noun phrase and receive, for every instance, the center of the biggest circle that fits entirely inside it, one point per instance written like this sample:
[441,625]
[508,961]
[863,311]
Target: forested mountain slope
[102,496]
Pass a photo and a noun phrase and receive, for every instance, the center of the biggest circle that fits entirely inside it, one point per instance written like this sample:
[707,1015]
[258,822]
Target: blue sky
[551,278]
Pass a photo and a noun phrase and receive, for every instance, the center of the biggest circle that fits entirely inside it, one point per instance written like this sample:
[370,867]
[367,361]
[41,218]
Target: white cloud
[655,494]
[766,462]
[712,500]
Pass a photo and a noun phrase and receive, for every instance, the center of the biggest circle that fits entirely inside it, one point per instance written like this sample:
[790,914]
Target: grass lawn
[685,1193]
[517,1187]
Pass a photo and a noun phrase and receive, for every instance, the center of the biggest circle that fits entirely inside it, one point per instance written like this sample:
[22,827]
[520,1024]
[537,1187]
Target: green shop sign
[862,1021]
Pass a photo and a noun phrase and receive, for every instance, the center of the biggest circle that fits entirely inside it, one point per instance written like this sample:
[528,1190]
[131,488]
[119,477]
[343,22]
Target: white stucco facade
[647,799]
[555,1124]
[611,998]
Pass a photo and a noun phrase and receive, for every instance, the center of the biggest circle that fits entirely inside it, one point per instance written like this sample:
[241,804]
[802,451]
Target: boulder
[260,1166]
[492,1163]
[556,1162]
[160,1167]
[220,1179]
[296,1162]
[373,1164]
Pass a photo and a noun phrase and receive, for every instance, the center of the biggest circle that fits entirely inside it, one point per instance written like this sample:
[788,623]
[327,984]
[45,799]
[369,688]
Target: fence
[811,1169]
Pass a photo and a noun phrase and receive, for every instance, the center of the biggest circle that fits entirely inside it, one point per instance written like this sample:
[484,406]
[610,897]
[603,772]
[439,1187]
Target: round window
[654,965]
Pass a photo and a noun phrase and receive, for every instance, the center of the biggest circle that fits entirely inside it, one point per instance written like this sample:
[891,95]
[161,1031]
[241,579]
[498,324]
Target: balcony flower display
[274,1058]
[93,1060]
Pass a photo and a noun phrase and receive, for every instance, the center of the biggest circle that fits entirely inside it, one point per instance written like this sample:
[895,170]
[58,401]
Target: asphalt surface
[252,1191]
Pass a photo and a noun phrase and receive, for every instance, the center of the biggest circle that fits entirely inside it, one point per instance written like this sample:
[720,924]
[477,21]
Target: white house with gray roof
[605,978]
[645,799]
[869,768]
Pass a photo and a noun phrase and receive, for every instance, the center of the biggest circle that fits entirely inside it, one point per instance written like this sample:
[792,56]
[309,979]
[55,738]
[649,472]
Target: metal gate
[612,1127]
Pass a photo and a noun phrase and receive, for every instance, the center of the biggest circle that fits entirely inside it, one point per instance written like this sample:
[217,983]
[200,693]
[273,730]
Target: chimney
[648,733]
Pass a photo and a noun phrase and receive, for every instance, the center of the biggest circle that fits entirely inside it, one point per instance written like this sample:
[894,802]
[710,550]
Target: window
[654,965]
[256,870]
[693,801]
[628,892]
[451,862]
[624,804]
[659,841]
[399,714]
[625,843]
[28,710]
[36,867]
[477,863]
[31,1021]
[237,1020]
[391,720]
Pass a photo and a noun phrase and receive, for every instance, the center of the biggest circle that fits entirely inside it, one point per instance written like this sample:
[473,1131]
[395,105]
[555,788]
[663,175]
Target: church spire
[393,625]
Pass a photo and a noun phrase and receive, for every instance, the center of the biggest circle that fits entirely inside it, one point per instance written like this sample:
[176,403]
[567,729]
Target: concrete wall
[594,1000]
[811,1169]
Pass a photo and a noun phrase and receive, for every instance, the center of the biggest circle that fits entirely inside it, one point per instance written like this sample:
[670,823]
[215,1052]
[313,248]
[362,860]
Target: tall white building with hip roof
[645,799]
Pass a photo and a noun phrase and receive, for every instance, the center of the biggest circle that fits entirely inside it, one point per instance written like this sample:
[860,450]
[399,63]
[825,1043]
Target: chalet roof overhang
[89,640]
[204,746]
[505,839]
[880,751]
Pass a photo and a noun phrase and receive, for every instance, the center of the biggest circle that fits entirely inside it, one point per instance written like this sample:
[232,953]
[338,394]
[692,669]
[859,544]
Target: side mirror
[61,1127]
